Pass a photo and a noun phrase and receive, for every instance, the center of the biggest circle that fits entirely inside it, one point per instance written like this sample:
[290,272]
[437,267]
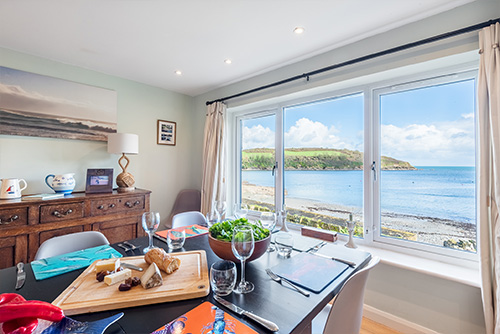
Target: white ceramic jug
[11,188]
[64,183]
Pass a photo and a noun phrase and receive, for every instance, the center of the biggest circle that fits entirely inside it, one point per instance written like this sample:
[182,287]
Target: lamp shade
[119,143]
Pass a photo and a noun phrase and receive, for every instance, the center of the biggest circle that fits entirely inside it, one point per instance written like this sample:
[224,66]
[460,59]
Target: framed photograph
[99,180]
[166,132]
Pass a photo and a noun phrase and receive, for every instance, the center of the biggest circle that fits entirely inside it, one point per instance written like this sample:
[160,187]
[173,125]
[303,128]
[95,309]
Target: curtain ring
[495,46]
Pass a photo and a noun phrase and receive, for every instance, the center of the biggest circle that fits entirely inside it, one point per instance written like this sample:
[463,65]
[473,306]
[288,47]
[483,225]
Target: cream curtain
[489,173]
[214,173]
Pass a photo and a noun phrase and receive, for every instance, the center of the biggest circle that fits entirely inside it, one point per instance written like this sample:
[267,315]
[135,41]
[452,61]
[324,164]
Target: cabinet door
[118,230]
[58,232]
[13,250]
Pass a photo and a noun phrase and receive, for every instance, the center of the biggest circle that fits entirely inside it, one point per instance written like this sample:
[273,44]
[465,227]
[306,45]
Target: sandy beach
[429,230]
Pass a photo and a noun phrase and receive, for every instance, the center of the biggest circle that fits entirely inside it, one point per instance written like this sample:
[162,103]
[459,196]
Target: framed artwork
[42,106]
[99,180]
[166,132]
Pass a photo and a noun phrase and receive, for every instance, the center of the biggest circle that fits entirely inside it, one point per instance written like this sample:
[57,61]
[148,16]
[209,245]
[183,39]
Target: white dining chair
[346,313]
[70,243]
[189,218]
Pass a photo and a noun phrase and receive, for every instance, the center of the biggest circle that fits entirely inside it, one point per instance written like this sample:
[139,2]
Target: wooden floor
[371,327]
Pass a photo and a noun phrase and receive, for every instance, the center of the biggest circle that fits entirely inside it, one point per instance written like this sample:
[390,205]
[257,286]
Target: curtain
[214,172]
[489,174]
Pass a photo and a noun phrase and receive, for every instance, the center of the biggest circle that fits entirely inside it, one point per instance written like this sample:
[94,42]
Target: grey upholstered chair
[70,243]
[189,218]
[187,200]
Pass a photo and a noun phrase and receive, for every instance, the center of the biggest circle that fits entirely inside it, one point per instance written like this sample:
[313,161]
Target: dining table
[281,304]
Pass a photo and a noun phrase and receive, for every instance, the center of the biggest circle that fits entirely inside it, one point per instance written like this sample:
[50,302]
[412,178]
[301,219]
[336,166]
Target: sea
[436,192]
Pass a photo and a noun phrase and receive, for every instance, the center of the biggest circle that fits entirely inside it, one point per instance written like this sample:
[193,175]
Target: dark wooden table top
[290,310]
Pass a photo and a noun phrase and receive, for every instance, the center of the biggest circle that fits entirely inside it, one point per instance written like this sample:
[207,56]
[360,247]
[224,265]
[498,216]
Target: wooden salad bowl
[223,248]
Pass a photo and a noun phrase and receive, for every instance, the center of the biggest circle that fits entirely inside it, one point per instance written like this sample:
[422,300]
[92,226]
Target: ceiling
[148,40]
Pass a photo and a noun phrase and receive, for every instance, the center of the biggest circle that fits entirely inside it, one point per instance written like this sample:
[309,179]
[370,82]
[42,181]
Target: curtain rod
[363,58]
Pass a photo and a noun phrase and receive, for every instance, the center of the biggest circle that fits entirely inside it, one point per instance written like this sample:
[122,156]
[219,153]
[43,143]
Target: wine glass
[268,220]
[220,206]
[150,223]
[240,210]
[243,244]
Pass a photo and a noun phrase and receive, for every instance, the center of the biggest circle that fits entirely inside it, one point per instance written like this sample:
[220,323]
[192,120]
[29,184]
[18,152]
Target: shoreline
[431,230]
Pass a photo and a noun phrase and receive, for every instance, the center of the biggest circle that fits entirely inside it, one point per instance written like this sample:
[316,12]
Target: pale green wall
[163,169]
[425,300]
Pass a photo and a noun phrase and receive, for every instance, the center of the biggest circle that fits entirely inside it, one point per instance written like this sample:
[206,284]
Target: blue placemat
[310,271]
[61,264]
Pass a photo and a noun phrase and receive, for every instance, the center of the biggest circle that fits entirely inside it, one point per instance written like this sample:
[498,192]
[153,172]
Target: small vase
[350,229]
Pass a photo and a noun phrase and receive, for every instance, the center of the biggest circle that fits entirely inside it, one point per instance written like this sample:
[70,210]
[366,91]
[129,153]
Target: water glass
[268,220]
[220,206]
[223,277]
[212,217]
[284,244]
[150,223]
[176,239]
[240,210]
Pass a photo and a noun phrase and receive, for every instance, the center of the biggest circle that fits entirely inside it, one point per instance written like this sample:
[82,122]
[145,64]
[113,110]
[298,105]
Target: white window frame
[371,204]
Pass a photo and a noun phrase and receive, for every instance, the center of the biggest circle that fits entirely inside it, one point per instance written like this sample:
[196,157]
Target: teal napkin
[61,264]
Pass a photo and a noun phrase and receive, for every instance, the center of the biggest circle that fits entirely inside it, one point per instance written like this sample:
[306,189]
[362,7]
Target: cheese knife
[21,276]
[131,266]
[266,323]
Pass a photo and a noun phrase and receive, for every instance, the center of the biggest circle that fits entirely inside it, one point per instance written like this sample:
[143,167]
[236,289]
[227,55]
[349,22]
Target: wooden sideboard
[26,224]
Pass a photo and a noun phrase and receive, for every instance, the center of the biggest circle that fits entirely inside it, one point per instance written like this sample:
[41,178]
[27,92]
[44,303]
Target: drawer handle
[111,205]
[130,205]
[100,207]
[10,220]
[61,215]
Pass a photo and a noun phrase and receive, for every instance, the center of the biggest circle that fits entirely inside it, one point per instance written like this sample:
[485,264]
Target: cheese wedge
[119,276]
[152,277]
[110,265]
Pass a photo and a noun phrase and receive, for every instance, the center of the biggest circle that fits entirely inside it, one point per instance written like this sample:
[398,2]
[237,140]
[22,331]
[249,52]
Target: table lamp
[124,143]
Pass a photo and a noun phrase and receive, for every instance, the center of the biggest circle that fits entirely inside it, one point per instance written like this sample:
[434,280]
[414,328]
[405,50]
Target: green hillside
[315,159]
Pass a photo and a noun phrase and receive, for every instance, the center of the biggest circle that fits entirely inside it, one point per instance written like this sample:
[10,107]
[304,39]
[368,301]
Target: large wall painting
[42,106]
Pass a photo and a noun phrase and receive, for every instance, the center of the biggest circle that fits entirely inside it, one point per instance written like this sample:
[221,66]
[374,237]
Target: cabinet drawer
[116,205]
[13,217]
[58,212]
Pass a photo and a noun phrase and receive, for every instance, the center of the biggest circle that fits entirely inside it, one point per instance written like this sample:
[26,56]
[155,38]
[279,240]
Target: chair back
[70,243]
[346,313]
[189,218]
[187,200]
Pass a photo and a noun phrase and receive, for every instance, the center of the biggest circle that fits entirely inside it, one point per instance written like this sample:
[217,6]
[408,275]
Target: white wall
[425,300]
[162,169]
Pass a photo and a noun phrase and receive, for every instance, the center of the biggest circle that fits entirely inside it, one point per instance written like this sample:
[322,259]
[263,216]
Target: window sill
[452,272]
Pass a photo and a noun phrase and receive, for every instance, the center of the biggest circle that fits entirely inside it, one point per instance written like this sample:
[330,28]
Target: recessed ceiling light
[299,30]
[228,61]
[178,72]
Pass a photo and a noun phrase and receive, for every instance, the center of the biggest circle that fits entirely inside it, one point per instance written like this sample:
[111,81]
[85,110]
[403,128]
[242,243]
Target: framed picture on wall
[166,132]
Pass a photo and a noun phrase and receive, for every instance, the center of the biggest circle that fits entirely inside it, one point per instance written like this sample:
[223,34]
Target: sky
[431,126]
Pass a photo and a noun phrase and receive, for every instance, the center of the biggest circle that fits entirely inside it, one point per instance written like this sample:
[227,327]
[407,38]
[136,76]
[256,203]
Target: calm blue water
[440,192]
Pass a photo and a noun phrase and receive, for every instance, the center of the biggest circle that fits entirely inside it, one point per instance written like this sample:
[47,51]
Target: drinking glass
[176,239]
[240,210]
[284,244]
[243,245]
[212,217]
[223,277]
[268,220]
[150,223]
[220,206]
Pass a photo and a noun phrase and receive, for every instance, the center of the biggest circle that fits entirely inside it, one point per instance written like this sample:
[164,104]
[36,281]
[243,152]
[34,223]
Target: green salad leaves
[224,230]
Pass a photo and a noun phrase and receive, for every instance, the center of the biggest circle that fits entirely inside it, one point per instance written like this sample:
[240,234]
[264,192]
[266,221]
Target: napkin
[309,271]
[61,264]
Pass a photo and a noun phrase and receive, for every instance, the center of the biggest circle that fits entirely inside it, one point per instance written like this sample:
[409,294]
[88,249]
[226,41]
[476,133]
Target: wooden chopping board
[86,294]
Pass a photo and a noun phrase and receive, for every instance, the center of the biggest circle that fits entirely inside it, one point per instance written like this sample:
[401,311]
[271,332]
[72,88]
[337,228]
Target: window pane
[427,184]
[324,163]
[257,161]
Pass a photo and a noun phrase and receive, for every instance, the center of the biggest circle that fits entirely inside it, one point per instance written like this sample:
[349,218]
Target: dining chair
[346,313]
[70,243]
[189,218]
[186,200]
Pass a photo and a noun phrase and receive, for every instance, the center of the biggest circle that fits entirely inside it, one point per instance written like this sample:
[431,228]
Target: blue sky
[428,127]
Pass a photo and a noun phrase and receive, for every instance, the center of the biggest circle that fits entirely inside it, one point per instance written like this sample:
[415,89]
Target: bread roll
[163,260]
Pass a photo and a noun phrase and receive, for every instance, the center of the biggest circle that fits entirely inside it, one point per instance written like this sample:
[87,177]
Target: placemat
[61,264]
[309,271]
[205,318]
[191,231]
